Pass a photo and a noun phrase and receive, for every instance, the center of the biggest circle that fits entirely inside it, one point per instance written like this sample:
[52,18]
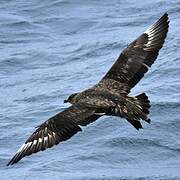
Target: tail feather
[133,109]
[145,104]
[137,108]
[135,123]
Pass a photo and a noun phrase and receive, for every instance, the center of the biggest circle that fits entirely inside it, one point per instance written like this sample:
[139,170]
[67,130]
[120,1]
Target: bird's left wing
[59,128]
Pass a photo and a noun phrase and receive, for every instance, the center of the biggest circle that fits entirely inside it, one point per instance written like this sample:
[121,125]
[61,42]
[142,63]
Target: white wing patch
[157,33]
[35,143]
[40,140]
[151,35]
[24,146]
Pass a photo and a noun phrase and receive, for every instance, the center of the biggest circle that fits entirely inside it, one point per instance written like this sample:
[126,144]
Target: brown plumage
[108,97]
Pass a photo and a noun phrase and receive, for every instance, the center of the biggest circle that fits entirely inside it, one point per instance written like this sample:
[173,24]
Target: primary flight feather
[108,97]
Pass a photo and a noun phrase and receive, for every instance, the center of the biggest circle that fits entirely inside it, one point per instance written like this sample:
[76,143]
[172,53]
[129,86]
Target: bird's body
[108,97]
[101,99]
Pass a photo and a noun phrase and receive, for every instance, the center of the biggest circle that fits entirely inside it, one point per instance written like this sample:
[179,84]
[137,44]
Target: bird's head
[70,98]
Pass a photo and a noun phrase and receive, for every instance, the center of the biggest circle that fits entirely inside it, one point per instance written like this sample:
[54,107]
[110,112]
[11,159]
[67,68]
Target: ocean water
[52,48]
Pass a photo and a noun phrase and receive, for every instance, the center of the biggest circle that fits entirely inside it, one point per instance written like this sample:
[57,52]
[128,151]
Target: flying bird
[108,97]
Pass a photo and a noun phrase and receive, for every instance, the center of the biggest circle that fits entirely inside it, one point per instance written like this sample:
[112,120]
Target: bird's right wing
[137,58]
[59,128]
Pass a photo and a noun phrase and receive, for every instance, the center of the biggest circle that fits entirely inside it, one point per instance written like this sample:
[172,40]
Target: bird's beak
[65,101]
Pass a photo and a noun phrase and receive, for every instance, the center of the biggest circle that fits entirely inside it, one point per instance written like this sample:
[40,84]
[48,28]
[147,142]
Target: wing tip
[165,14]
[44,140]
[13,160]
[157,33]
[9,163]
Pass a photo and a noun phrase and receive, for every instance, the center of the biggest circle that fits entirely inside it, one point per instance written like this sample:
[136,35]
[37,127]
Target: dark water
[50,49]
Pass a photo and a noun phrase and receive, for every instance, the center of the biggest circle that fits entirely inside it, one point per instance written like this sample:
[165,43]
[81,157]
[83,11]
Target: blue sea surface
[52,48]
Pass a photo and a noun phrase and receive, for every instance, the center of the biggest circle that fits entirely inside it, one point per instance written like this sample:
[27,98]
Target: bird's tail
[137,108]
[133,109]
